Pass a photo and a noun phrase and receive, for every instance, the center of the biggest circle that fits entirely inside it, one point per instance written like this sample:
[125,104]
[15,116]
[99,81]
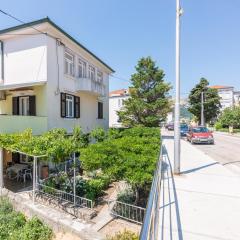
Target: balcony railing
[15,123]
[89,85]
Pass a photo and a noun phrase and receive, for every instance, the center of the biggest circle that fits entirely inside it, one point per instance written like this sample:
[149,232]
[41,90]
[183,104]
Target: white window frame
[119,102]
[69,64]
[92,72]
[24,106]
[82,68]
[99,76]
[69,106]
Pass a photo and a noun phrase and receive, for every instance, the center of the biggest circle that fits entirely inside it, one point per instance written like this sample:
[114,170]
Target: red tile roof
[120,92]
[220,87]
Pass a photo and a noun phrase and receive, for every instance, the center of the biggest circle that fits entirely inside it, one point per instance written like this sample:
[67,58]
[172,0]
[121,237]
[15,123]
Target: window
[119,102]
[69,106]
[91,72]
[82,69]
[69,64]
[99,77]
[100,110]
[24,106]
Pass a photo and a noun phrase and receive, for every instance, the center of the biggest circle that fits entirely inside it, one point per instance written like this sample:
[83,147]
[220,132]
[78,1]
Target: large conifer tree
[149,102]
[211,101]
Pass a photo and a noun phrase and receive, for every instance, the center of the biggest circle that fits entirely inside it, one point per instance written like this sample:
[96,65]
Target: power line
[17,19]
[21,21]
[120,78]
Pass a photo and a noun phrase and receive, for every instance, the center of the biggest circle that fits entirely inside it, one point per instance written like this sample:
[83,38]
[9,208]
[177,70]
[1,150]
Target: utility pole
[179,12]
[202,109]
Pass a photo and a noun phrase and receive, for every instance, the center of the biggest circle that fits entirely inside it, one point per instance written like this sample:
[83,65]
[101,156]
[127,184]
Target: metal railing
[151,224]
[64,197]
[127,211]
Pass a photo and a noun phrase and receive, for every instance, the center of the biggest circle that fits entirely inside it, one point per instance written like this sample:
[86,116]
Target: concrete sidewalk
[202,203]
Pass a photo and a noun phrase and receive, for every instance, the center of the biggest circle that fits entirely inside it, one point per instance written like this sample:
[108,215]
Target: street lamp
[179,12]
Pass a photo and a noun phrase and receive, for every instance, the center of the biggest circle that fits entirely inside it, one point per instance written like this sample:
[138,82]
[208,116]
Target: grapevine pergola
[53,146]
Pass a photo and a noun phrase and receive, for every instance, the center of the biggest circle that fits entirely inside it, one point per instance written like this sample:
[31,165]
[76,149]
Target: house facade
[228,96]
[49,80]
[116,103]
[236,96]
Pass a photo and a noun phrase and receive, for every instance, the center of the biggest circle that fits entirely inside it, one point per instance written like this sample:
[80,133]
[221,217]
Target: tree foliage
[129,155]
[55,144]
[230,117]
[149,103]
[211,101]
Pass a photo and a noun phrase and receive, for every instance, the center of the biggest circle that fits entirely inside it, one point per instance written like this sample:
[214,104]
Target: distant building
[236,96]
[116,103]
[228,96]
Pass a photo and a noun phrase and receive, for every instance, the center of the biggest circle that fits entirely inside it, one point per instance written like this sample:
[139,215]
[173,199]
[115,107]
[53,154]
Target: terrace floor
[17,186]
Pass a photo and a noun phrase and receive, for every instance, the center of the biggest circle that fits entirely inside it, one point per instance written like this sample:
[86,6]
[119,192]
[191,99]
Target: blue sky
[120,32]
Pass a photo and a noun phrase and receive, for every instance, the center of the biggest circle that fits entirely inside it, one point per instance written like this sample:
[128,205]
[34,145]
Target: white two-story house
[116,103]
[228,97]
[49,80]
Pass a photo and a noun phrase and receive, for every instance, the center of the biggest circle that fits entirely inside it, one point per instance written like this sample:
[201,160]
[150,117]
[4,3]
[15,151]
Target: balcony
[91,86]
[13,123]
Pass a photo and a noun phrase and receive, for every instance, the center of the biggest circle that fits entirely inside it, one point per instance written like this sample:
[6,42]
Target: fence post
[74,179]
[34,177]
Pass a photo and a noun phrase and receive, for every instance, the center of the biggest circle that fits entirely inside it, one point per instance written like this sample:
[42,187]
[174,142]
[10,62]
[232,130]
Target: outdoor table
[16,168]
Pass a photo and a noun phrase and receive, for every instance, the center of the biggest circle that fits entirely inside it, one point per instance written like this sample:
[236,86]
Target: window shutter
[77,107]
[15,105]
[32,105]
[15,157]
[63,104]
[100,110]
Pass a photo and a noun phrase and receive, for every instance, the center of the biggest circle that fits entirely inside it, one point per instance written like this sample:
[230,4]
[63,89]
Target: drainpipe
[2,61]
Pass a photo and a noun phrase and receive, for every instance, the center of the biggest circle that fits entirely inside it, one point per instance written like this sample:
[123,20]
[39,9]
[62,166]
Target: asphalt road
[226,151]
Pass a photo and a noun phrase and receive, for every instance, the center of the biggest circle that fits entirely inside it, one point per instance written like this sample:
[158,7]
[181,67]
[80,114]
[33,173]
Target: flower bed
[88,188]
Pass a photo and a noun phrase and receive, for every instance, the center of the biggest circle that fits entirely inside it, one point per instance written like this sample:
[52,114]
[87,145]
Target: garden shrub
[5,206]
[34,229]
[14,226]
[125,235]
[218,125]
[89,188]
[81,186]
[106,180]
[126,196]
[98,134]
[130,156]
[94,188]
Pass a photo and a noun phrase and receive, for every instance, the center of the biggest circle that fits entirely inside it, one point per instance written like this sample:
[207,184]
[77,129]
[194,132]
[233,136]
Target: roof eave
[44,20]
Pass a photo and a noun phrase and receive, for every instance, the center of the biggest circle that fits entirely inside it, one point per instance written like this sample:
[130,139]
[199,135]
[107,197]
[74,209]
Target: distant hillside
[184,113]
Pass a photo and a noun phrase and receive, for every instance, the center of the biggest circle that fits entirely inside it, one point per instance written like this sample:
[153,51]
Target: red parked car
[200,135]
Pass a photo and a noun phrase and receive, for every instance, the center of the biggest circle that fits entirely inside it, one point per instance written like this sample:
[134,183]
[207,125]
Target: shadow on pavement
[199,168]
[167,137]
[169,198]
[230,163]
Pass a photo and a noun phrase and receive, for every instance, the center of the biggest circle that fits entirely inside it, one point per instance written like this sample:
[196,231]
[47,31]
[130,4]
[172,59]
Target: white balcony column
[1,169]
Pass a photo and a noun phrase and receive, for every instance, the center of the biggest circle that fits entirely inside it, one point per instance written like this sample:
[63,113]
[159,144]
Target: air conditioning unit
[2,95]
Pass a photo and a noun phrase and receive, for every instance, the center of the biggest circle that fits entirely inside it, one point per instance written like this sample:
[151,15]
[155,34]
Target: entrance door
[24,106]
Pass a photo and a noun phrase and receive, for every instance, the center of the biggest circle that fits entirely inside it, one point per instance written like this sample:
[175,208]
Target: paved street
[226,151]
